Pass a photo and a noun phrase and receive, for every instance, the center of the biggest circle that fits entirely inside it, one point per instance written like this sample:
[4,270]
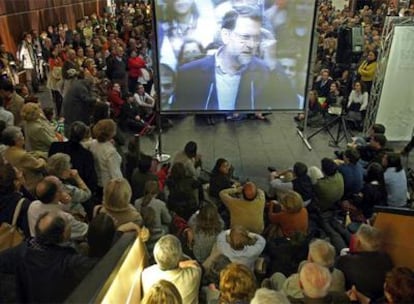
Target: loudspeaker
[350,43]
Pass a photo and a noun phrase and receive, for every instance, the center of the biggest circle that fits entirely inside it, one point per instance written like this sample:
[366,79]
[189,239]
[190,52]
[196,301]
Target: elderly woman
[39,132]
[116,203]
[289,216]
[60,166]
[185,275]
[107,159]
[32,167]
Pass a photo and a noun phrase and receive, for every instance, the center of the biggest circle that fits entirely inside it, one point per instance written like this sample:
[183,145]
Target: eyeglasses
[245,38]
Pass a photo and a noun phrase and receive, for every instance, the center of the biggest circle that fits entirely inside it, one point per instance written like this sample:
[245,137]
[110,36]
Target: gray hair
[58,163]
[322,253]
[269,296]
[168,252]
[370,238]
[315,280]
[10,135]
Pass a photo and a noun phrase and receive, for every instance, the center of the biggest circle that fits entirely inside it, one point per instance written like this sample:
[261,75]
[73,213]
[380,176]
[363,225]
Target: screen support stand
[161,157]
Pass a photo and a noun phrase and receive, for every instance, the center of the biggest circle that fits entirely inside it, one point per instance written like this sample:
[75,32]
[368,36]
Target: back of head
[117,194]
[101,231]
[168,252]
[58,163]
[239,238]
[380,139]
[190,149]
[352,155]
[300,169]
[321,252]
[375,172]
[10,135]
[368,238]
[399,285]
[237,283]
[7,179]
[378,128]
[51,229]
[104,130]
[315,280]
[144,165]
[394,161]
[163,292]
[249,191]
[292,202]
[78,131]
[269,296]
[212,274]
[47,189]
[328,167]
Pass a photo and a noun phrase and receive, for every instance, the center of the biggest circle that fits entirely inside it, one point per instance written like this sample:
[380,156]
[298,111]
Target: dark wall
[19,16]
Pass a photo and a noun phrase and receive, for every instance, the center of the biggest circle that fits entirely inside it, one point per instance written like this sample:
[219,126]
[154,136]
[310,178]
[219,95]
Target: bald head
[249,191]
[47,189]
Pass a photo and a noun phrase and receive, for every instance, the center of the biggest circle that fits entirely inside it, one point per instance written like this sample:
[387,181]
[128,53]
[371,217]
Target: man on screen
[234,78]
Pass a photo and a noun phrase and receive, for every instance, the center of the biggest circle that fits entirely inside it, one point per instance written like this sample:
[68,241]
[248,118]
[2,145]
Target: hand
[137,117]
[188,263]
[74,173]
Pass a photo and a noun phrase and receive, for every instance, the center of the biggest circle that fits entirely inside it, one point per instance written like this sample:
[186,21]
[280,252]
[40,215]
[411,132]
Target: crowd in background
[73,191]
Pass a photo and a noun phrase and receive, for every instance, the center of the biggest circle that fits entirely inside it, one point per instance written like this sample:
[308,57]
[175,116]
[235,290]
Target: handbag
[11,235]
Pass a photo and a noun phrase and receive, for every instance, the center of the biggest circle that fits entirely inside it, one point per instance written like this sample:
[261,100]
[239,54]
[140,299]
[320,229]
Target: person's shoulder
[258,64]
[205,62]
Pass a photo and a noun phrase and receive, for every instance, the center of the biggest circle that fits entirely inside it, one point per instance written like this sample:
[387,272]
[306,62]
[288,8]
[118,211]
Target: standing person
[117,69]
[234,78]
[55,79]
[27,56]
[70,71]
[135,64]
[367,70]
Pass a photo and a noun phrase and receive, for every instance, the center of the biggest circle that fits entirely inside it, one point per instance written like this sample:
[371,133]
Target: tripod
[342,131]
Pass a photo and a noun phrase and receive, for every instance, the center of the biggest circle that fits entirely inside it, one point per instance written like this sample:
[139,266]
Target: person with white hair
[170,266]
[366,265]
[269,296]
[315,281]
[322,253]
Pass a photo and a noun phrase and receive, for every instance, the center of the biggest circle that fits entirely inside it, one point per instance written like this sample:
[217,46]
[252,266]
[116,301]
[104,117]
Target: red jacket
[114,98]
[135,64]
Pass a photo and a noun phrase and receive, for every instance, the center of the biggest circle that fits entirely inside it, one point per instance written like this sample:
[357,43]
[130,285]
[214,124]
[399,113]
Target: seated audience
[190,159]
[60,166]
[329,189]
[140,176]
[80,158]
[220,178]
[182,192]
[315,281]
[116,202]
[289,216]
[145,101]
[100,235]
[352,172]
[163,292]
[398,288]
[46,270]
[38,131]
[366,265]
[395,180]
[130,118]
[357,103]
[246,205]
[240,246]
[237,284]
[373,151]
[204,226]
[322,253]
[170,266]
[51,198]
[12,199]
[32,167]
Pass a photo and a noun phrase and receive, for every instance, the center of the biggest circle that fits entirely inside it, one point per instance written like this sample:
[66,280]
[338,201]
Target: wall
[19,16]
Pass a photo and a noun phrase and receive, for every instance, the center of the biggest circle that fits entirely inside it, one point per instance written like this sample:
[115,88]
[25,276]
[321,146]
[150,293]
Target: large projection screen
[396,106]
[235,55]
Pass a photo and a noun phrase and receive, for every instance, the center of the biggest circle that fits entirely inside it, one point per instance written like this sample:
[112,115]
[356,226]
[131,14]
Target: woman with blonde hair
[116,202]
[39,133]
[107,159]
[237,284]
[163,292]
[289,216]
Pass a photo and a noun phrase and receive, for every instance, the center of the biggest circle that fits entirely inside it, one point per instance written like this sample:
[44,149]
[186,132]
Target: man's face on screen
[289,66]
[243,41]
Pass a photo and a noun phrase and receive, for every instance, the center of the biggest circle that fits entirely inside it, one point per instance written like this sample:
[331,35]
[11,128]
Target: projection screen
[244,55]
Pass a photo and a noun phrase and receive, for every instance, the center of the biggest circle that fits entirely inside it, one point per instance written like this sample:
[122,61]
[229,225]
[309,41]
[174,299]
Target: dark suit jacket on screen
[259,88]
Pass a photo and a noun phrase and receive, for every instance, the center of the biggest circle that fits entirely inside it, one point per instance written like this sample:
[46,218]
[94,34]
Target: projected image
[233,55]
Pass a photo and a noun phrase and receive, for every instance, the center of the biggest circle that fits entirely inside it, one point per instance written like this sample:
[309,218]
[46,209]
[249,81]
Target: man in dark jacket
[46,270]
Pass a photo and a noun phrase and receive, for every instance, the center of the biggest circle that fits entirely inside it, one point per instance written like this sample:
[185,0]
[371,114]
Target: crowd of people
[69,188]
